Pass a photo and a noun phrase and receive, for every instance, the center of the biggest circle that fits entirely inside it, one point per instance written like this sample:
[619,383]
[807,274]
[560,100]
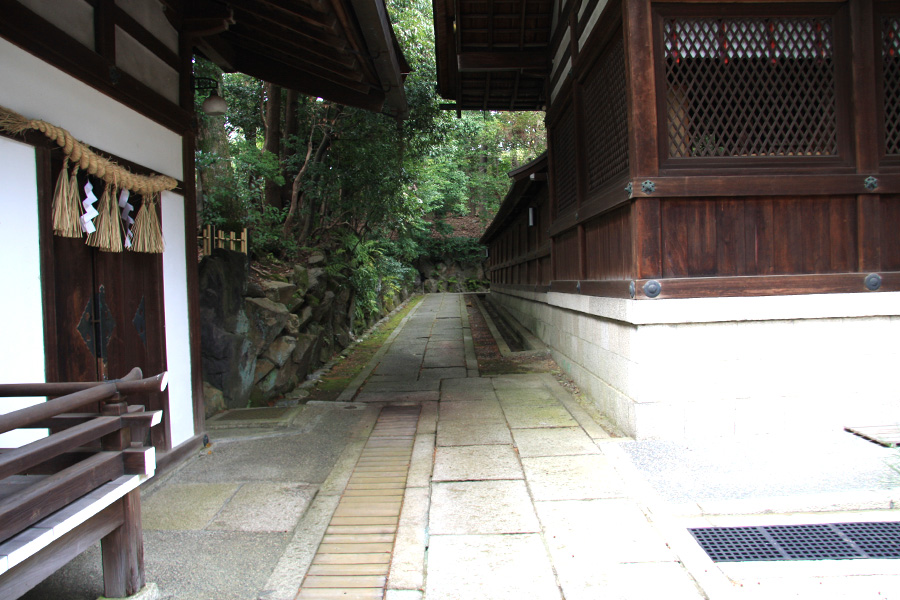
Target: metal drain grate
[800,542]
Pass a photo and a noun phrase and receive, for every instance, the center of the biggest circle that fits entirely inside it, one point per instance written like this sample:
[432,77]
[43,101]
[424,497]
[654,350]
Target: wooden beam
[732,287]
[502,60]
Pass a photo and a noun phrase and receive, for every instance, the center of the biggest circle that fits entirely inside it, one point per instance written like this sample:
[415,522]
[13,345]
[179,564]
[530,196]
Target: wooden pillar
[643,130]
[647,242]
[865,40]
[123,551]
[643,135]
[123,548]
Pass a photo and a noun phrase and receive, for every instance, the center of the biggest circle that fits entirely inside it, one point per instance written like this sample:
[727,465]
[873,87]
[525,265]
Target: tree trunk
[289,148]
[213,139]
[273,138]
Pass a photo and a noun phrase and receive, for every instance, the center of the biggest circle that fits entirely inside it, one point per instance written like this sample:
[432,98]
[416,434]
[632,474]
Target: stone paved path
[509,495]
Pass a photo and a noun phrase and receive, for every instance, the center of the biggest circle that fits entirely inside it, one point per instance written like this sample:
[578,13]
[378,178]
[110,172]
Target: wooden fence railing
[211,238]
[62,493]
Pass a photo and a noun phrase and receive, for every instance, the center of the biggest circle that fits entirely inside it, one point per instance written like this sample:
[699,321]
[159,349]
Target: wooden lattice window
[749,86]
[606,118]
[891,70]
[563,152]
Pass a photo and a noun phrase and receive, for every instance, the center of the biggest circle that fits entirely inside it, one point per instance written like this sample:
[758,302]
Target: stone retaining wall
[259,342]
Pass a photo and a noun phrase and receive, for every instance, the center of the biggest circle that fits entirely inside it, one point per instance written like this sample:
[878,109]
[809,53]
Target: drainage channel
[353,558]
[827,541]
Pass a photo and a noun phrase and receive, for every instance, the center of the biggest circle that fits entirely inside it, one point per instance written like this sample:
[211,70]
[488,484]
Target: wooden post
[123,551]
[643,132]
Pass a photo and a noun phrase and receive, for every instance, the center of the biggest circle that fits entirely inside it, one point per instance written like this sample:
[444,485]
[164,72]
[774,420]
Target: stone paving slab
[474,463]
[264,507]
[397,397]
[554,441]
[402,385]
[468,384]
[669,580]
[532,417]
[186,506]
[519,381]
[532,396]
[481,507]
[447,345]
[407,570]
[574,530]
[495,567]
[442,373]
[572,478]
[462,395]
[421,462]
[475,412]
[444,358]
[428,418]
[448,336]
[462,433]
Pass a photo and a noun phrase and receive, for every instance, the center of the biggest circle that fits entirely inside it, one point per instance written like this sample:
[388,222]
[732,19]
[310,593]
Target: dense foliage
[304,172]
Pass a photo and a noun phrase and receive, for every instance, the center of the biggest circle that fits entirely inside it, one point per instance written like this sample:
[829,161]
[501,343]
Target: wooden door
[108,315]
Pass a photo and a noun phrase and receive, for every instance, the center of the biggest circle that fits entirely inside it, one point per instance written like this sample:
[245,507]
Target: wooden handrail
[130,384]
[26,417]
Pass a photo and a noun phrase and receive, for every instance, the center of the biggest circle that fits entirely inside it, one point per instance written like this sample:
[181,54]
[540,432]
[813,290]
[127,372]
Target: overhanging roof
[527,181]
[341,50]
[493,55]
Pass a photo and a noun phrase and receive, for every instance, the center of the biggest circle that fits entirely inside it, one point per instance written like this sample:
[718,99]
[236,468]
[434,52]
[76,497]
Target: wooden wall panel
[688,238]
[608,246]
[890,233]
[565,256]
[759,236]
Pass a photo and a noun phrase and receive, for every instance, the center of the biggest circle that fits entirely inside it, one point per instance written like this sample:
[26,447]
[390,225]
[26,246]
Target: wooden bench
[61,494]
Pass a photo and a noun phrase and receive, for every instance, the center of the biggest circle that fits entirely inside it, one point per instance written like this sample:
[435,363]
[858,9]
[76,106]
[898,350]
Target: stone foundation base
[700,368]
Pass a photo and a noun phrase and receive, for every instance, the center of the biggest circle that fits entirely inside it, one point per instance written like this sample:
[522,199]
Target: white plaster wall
[771,365]
[42,91]
[75,17]
[151,14]
[139,62]
[22,325]
[178,343]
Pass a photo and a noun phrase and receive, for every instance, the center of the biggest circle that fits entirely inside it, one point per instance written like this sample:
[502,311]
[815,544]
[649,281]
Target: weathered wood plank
[56,491]
[344,581]
[352,559]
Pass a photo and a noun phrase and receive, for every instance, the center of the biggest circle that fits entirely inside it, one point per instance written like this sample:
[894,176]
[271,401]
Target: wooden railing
[62,493]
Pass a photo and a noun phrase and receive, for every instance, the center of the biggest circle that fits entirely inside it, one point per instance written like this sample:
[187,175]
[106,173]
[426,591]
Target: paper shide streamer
[110,226]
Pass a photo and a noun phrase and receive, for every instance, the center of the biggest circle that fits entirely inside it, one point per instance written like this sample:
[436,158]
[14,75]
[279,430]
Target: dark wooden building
[722,220]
